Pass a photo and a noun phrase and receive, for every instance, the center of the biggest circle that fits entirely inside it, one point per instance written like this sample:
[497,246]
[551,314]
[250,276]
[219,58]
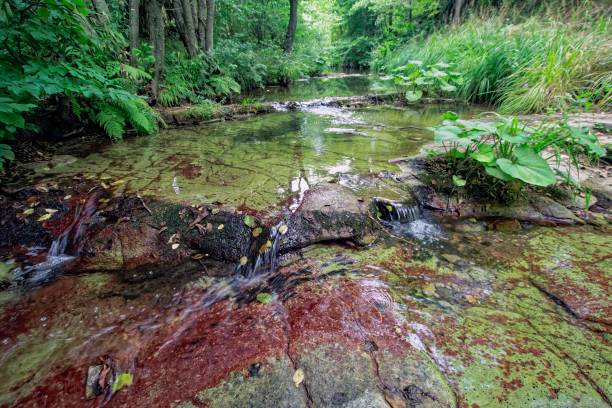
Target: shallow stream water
[435,314]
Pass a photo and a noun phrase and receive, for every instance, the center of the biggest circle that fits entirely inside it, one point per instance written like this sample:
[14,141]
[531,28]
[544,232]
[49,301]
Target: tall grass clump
[528,66]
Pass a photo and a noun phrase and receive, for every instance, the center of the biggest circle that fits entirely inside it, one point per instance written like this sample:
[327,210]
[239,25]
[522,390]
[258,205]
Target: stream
[432,313]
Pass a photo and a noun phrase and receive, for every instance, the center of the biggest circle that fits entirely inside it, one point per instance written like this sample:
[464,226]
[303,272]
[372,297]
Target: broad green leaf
[530,167]
[497,173]
[485,154]
[413,96]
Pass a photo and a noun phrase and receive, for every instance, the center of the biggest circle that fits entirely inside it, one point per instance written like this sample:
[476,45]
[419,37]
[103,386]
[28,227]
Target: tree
[191,42]
[157,39]
[210,25]
[293,16]
[457,12]
[202,20]
[134,30]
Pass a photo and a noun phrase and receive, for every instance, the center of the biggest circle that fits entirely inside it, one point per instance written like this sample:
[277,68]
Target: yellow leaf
[244,260]
[471,299]
[116,183]
[105,177]
[256,232]
[268,244]
[171,238]
[298,377]
[103,184]
[283,229]
[68,197]
[45,217]
[50,211]
[175,246]
[35,203]
[197,257]
[220,227]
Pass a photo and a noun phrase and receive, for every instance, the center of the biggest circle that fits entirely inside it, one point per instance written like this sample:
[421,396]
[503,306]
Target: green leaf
[455,153]
[123,380]
[249,221]
[264,297]
[413,96]
[485,154]
[530,167]
[497,173]
[458,181]
[450,116]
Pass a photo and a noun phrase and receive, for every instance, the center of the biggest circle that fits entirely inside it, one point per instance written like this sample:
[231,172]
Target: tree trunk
[157,39]
[210,25]
[190,33]
[134,30]
[102,11]
[202,17]
[457,13]
[293,14]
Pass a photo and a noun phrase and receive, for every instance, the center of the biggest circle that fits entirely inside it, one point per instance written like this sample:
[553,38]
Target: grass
[529,66]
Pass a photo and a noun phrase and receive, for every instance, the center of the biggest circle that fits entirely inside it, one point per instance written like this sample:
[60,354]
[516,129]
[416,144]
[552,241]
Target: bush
[510,151]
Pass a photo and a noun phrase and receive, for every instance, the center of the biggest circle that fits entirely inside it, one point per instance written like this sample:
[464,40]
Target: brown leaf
[102,377]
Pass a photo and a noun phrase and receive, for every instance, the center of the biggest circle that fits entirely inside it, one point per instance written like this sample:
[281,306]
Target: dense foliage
[70,65]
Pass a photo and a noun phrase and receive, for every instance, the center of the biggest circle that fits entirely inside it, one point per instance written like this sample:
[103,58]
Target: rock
[92,389]
[506,225]
[337,377]
[329,212]
[451,258]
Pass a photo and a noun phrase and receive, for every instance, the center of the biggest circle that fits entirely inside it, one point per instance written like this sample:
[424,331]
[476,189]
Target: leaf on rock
[221,226]
[264,297]
[283,230]
[249,221]
[298,377]
[257,232]
[123,380]
[175,246]
[244,260]
[45,217]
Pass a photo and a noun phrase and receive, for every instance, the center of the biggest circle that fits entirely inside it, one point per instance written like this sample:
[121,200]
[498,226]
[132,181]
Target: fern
[135,73]
[112,121]
[224,85]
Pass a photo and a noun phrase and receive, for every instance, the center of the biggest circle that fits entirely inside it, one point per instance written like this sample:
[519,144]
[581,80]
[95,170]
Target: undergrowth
[528,66]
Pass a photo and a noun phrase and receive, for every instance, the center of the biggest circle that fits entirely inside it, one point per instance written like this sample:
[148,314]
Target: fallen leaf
[220,227]
[68,197]
[209,227]
[471,299]
[249,221]
[163,229]
[41,189]
[257,232]
[103,184]
[264,297]
[116,183]
[50,210]
[269,244]
[197,257]
[171,238]
[215,211]
[123,380]
[45,217]
[29,211]
[283,229]
[35,203]
[244,260]
[175,246]
[105,177]
[298,377]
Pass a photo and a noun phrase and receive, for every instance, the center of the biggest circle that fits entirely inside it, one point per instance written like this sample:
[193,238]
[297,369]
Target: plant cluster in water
[432,80]
[512,153]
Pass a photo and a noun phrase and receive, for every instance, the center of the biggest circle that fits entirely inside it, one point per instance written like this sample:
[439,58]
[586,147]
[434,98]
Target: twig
[144,205]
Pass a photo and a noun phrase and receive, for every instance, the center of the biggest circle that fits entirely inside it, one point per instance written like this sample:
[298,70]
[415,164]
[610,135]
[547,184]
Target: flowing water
[434,314]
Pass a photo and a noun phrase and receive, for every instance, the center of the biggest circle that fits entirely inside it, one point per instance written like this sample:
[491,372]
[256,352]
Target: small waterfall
[398,212]
[266,258]
[69,240]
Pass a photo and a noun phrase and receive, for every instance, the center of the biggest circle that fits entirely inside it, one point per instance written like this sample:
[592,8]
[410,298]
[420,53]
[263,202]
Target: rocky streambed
[283,261]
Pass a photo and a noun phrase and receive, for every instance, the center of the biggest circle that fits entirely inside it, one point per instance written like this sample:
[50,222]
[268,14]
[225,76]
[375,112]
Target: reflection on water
[327,87]
[261,162]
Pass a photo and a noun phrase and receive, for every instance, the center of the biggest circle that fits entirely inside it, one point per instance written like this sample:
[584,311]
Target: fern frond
[135,73]
[112,121]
